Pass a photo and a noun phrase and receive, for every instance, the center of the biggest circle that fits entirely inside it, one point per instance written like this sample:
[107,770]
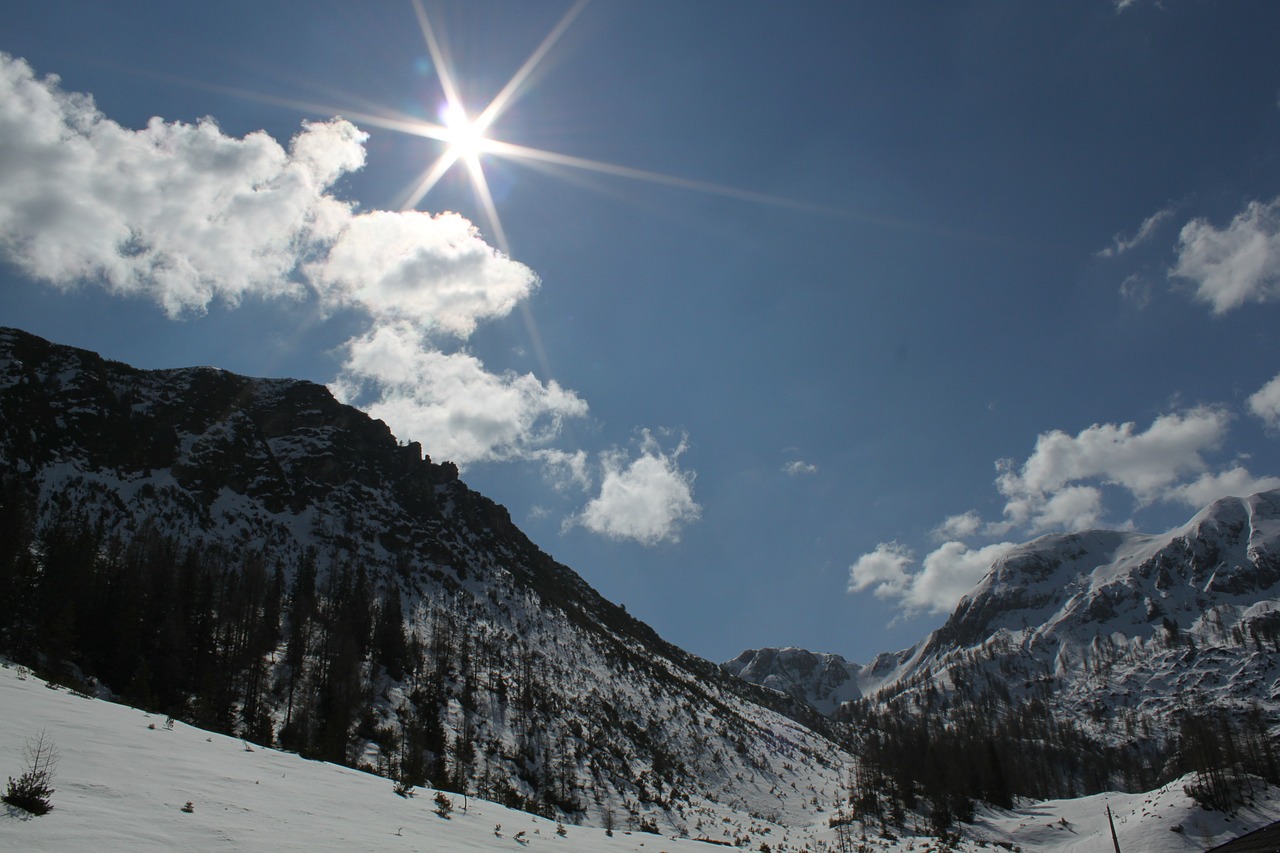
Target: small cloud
[959,526]
[798,467]
[1265,403]
[884,569]
[1136,290]
[564,469]
[1236,264]
[1121,244]
[646,499]
[946,575]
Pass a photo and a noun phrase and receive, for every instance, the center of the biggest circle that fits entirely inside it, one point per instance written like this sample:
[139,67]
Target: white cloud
[1060,487]
[646,499]
[1208,487]
[449,402]
[177,212]
[885,569]
[434,271]
[1265,403]
[946,575]
[959,526]
[950,572]
[1047,490]
[564,469]
[1120,244]
[1235,265]
[798,467]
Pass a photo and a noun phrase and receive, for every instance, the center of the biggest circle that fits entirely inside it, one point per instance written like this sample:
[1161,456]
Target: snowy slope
[124,778]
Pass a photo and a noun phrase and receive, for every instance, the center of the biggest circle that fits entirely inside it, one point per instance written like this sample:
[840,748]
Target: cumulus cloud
[1060,486]
[435,271]
[1236,264]
[884,570]
[1121,244]
[459,410]
[1047,491]
[1209,487]
[646,499]
[1265,403]
[177,212]
[946,574]
[798,467]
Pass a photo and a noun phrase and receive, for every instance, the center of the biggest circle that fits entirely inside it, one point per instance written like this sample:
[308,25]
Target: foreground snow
[122,785]
[125,777]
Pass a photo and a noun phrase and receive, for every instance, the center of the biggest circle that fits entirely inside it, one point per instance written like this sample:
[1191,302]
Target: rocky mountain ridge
[822,680]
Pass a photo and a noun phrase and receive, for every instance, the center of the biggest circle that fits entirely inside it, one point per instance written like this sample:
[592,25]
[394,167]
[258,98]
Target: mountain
[1100,621]
[823,681]
[254,557]
[1112,623]
[1081,663]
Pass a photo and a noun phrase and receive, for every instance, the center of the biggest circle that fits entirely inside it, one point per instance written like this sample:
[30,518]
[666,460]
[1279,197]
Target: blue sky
[802,314]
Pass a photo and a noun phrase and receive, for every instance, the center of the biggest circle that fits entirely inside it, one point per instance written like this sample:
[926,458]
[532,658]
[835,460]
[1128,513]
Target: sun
[464,137]
[467,139]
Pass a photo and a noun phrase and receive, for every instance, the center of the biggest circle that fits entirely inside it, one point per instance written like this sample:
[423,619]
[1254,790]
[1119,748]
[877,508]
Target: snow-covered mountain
[253,556]
[1103,622]
[1116,625]
[825,681]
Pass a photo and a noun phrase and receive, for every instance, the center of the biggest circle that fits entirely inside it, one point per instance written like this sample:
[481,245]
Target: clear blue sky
[827,266]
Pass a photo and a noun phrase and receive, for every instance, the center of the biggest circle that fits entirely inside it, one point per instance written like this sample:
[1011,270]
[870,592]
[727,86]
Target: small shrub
[189,807]
[33,788]
[444,805]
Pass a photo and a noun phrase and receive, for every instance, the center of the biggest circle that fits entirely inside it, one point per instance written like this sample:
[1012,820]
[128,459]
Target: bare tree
[32,789]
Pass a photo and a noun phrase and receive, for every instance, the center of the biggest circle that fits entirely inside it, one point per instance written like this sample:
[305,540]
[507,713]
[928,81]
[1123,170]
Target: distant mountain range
[253,557]
[1102,623]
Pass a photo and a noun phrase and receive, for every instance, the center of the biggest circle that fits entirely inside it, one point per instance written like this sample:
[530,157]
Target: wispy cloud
[799,467]
[1121,244]
[1233,265]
